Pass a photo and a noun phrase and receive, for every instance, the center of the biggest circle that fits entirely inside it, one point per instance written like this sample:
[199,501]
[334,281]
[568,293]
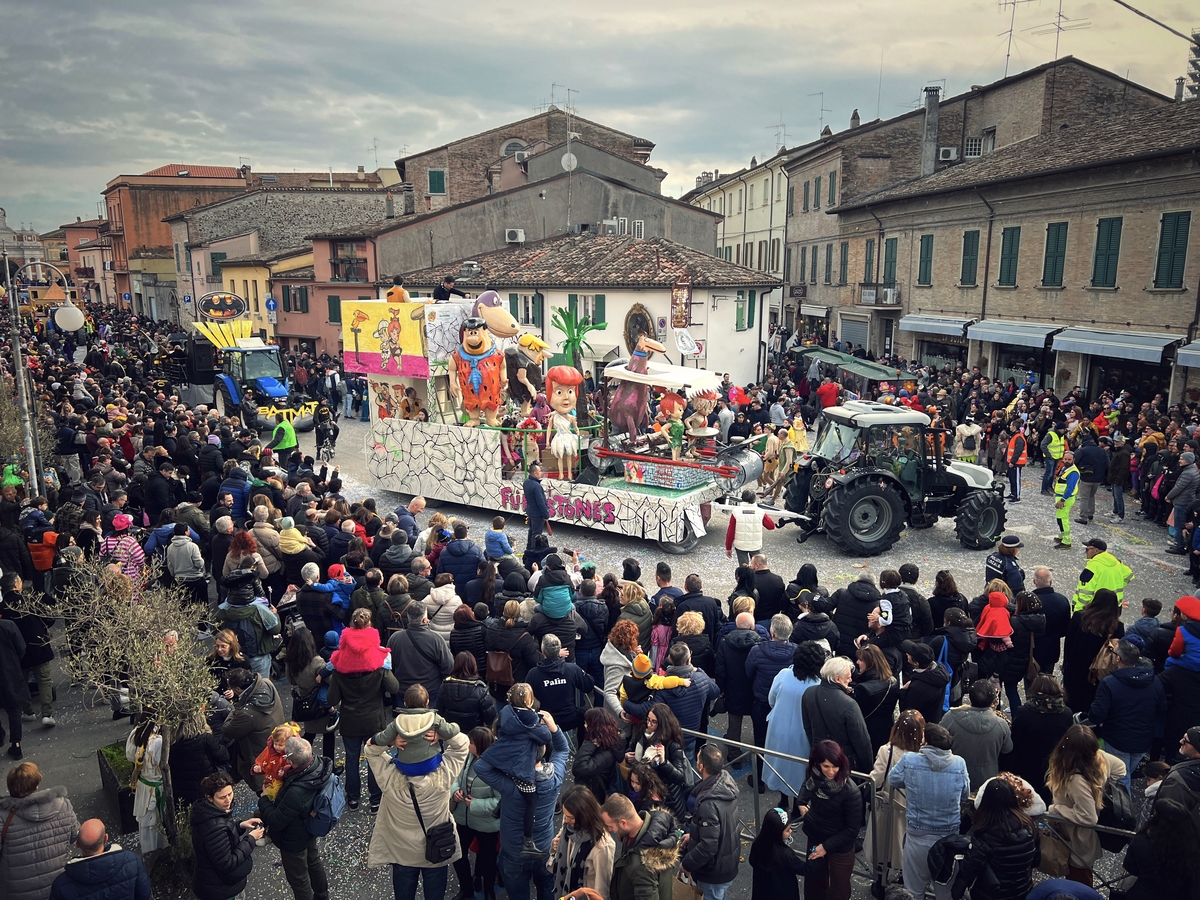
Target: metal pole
[36,477]
[31,458]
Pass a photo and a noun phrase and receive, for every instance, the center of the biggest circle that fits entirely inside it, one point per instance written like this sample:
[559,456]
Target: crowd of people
[537,724]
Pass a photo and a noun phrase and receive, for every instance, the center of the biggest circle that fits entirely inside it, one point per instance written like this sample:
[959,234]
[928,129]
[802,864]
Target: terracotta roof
[301,274]
[312,179]
[86,223]
[173,169]
[269,257]
[585,260]
[56,235]
[1168,131]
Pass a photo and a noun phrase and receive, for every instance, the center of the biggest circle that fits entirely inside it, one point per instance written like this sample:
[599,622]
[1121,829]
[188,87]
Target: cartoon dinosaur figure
[500,322]
[629,411]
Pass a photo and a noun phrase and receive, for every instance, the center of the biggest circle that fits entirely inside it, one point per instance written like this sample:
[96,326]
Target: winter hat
[1189,606]
[214,440]
[286,522]
[515,583]
[641,666]
[921,652]
[554,561]
[1187,458]
[337,570]
[121,522]
[994,622]
[332,639]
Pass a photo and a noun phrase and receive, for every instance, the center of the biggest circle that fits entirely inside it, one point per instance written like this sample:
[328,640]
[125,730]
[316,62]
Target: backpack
[327,807]
[969,442]
[500,665]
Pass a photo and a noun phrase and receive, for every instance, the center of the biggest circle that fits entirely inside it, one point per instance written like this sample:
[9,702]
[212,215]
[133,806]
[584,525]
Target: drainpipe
[745,214]
[987,260]
[760,371]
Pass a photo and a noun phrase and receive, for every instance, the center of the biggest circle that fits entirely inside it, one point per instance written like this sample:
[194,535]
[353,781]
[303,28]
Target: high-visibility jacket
[1017,457]
[1058,445]
[1102,571]
[1066,485]
[287,440]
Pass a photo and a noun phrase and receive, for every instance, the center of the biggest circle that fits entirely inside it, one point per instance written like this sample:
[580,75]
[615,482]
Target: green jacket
[1102,571]
[644,868]
[283,437]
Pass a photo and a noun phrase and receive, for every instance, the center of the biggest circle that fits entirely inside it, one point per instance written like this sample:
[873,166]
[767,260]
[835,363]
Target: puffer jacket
[483,812]
[829,713]
[238,484]
[250,722]
[192,759]
[359,697]
[223,853]
[595,768]
[638,612]
[468,638]
[287,816]
[466,703]
[517,642]
[732,678]
[926,692]
[566,628]
[1130,705]
[116,874]
[764,662]
[645,864]
[689,703]
[835,813]
[1010,854]
[877,699]
[853,604]
[713,847]
[461,558]
[440,606]
[595,614]
[817,627]
[38,844]
[267,539]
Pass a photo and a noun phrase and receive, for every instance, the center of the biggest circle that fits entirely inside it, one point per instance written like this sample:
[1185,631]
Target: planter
[117,790]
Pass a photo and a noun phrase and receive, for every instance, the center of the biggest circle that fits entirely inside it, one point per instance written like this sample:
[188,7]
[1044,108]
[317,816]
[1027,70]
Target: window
[587,306]
[1056,254]
[844,263]
[889,262]
[335,308]
[728,254]
[791,201]
[739,311]
[829,263]
[349,262]
[833,188]
[214,260]
[739,209]
[989,141]
[973,148]
[766,191]
[869,262]
[511,147]
[750,311]
[806,196]
[536,302]
[437,181]
[970,258]
[232,286]
[721,204]
[300,294]
[639,228]
[1172,250]
[245,289]
[1108,249]
[803,263]
[787,264]
[813,269]
[817,192]
[1010,249]
[750,196]
[779,187]
[774,254]
[738,255]
[622,226]
[925,264]
[177,258]
[762,256]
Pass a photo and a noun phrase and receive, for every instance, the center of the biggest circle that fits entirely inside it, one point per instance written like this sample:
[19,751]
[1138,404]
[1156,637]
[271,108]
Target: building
[849,288]
[458,172]
[651,285]
[54,249]
[753,204]
[252,277]
[21,245]
[1069,254]
[89,258]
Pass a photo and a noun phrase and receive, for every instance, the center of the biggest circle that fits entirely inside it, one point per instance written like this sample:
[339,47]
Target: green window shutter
[829,263]
[514,306]
[833,188]
[437,181]
[1056,254]
[889,262]
[214,262]
[598,310]
[817,192]
[1010,249]
[844,263]
[750,311]
[1108,251]
[806,196]
[787,264]
[813,269]
[925,269]
[791,199]
[803,263]
[335,308]
[537,310]
[573,304]
[869,262]
[1172,250]
[287,298]
[303,299]
[970,257]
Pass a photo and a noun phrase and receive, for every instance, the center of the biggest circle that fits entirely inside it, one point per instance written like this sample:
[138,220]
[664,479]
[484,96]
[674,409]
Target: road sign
[272,316]
[272,304]
[187,298]
[126,296]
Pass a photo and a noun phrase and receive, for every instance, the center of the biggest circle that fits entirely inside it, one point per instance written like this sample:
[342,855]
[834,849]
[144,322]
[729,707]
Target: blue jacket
[535,501]
[595,613]
[519,740]
[461,558]
[1189,633]
[936,784]
[408,524]
[1129,708]
[764,662]
[115,875]
[1089,456]
[238,484]
[161,536]
[512,805]
[496,544]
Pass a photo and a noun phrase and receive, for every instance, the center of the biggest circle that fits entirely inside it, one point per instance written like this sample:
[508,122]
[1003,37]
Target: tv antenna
[1060,24]
[374,148]
[781,133]
[1012,21]
[823,110]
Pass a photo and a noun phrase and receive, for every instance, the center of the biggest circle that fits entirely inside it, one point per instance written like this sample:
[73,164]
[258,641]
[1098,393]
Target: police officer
[1053,445]
[326,424]
[1002,563]
[283,438]
[1066,490]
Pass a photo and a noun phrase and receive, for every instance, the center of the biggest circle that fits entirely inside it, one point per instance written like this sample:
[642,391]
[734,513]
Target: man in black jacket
[770,589]
[419,656]
[160,491]
[830,713]
[694,600]
[1057,610]
[537,510]
[286,819]
[556,684]
[14,552]
[711,847]
[850,607]
[735,684]
[926,688]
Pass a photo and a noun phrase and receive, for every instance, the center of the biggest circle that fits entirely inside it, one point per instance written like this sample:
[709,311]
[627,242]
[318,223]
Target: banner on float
[382,338]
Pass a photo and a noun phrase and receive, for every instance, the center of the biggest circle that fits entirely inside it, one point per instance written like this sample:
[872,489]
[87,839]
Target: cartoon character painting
[388,335]
[562,434]
[523,363]
[628,411]
[480,377]
[383,399]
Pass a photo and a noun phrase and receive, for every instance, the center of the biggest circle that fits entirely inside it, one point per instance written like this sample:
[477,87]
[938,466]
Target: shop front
[1016,349]
[1134,361]
[814,323]
[938,340]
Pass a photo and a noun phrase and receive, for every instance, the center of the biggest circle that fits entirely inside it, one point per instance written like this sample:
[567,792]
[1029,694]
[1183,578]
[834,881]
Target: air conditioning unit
[521,155]
[947,154]
[108,266]
[891,296]
[514,235]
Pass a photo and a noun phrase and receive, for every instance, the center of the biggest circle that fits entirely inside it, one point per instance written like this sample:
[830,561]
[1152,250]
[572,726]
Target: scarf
[568,868]
[475,379]
[823,788]
[1047,703]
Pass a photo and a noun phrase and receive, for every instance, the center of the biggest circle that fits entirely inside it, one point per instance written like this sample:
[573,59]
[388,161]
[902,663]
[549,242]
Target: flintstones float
[487,411]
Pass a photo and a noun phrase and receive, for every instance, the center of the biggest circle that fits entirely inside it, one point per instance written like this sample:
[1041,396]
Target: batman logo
[221,306]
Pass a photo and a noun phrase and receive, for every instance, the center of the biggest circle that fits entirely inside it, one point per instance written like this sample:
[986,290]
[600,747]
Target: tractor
[874,467]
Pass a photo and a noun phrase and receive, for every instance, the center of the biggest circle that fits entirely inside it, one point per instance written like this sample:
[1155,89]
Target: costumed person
[144,748]
[629,412]
[671,405]
[798,434]
[562,433]
[480,377]
[523,363]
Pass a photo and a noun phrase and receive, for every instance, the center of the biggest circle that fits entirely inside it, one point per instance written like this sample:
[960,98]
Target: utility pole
[823,110]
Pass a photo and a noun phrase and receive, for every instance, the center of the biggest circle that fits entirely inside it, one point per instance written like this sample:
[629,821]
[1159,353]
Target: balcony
[871,294]
[85,271]
[348,269]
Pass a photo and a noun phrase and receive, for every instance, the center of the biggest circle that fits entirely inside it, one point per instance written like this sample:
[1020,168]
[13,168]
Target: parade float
[461,406]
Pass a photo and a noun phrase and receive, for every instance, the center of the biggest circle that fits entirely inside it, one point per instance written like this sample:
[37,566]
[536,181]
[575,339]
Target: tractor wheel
[864,518]
[687,545]
[980,520]
[221,403]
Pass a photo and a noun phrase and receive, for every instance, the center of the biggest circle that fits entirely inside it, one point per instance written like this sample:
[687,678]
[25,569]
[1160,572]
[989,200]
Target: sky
[90,89]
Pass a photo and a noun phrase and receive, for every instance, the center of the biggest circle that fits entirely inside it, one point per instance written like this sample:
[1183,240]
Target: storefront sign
[220,306]
[799,290]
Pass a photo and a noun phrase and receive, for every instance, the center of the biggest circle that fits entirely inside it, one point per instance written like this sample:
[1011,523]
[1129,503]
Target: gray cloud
[97,89]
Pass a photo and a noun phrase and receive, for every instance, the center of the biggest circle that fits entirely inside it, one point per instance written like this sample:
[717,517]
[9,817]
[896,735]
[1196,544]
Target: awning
[935,324]
[1023,334]
[811,309]
[1137,345]
[863,367]
[1189,356]
[602,352]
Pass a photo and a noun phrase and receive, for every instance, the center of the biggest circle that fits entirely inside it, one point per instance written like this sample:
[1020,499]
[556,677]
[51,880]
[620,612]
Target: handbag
[1105,661]
[306,707]
[441,841]
[1055,855]
[1032,669]
[1117,812]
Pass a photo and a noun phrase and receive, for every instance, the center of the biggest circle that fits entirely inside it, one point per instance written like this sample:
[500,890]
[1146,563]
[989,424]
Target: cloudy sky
[105,87]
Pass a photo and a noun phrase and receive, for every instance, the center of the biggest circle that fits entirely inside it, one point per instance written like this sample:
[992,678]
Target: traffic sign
[187,298]
[272,316]
[272,304]
[126,296]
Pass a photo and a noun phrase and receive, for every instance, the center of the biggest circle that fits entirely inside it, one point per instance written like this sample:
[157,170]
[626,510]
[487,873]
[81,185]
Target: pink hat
[121,522]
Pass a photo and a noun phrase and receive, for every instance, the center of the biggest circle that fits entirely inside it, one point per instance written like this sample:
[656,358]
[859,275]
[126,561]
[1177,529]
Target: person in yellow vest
[1017,456]
[1053,445]
[1066,491]
[1103,570]
[283,438]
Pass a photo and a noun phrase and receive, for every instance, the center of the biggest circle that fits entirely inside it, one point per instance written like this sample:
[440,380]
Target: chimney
[362,175]
[389,206]
[855,121]
[1179,89]
[407,199]
[930,139]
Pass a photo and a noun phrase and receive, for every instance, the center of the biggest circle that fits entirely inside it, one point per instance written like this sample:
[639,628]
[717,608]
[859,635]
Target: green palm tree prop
[575,332]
